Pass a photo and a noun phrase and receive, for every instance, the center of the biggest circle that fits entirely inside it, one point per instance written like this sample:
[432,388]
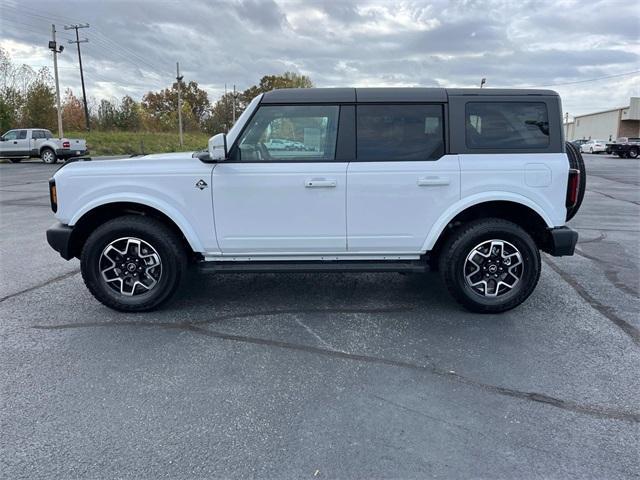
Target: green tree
[128,114]
[107,115]
[39,106]
[161,107]
[272,82]
[221,115]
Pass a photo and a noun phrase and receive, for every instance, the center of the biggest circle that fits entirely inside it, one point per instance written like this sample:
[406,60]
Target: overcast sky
[134,44]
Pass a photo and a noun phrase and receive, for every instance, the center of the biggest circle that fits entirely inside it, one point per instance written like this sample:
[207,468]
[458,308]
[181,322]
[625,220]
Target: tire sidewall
[98,241]
[530,257]
[53,156]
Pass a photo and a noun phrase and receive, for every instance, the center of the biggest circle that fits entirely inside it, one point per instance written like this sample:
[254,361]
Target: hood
[146,164]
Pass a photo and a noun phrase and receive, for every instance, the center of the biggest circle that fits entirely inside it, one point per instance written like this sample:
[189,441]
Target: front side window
[22,134]
[400,132]
[12,135]
[289,133]
[506,125]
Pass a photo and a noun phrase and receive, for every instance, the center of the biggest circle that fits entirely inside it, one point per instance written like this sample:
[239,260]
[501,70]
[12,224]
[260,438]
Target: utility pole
[566,126]
[234,104]
[77,41]
[53,46]
[179,79]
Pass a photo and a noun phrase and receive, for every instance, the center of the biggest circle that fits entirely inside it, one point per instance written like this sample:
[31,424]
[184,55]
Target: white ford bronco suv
[473,183]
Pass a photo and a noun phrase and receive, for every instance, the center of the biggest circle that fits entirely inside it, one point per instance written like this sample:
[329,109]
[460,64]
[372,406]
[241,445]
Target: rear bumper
[64,153]
[562,241]
[59,238]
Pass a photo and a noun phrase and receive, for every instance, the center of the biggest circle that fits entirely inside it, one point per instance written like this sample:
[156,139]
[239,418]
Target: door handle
[320,183]
[433,181]
[15,143]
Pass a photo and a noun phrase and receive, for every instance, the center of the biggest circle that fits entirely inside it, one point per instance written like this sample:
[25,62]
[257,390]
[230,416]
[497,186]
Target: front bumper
[59,238]
[561,241]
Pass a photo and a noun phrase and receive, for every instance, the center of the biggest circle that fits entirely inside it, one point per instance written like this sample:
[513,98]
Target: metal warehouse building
[607,125]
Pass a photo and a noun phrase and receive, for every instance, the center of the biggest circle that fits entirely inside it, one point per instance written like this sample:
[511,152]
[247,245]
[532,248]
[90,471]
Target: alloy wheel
[130,266]
[493,268]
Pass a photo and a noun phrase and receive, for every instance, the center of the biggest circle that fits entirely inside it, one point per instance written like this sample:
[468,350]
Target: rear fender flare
[468,202]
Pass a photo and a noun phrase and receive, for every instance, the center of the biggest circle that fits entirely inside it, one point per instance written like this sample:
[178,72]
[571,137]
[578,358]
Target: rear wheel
[48,156]
[490,265]
[133,263]
[633,153]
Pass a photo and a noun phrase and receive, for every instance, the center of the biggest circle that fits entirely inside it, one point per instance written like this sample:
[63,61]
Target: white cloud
[133,45]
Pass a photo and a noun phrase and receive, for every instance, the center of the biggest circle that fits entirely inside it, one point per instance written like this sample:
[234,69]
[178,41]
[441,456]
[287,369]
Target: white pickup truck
[473,183]
[38,142]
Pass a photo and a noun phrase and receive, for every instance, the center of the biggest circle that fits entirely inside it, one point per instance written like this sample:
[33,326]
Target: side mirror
[218,147]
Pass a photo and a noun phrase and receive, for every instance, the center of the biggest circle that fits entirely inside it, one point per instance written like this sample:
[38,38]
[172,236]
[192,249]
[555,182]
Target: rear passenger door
[401,181]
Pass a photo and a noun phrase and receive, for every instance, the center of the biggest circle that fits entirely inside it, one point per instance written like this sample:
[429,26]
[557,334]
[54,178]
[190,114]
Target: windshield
[235,130]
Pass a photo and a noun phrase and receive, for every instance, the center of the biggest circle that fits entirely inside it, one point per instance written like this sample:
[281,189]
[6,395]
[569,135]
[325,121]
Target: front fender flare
[472,200]
[173,214]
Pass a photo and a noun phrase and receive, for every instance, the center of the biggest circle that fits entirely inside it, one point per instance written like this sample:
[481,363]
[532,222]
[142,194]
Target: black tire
[633,153]
[48,156]
[576,161]
[15,160]
[463,241]
[168,246]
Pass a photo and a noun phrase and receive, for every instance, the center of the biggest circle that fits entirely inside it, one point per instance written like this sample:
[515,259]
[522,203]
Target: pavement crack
[605,310]
[611,273]
[615,198]
[596,411]
[296,311]
[599,238]
[40,285]
[314,334]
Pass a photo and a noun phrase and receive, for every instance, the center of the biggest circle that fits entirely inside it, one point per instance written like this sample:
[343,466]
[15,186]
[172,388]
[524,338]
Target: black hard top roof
[365,95]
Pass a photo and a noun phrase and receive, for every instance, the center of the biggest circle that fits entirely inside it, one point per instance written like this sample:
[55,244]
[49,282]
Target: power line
[635,72]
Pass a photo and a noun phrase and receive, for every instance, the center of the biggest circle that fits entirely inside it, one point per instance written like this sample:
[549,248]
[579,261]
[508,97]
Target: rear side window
[290,133]
[400,132]
[506,125]
[37,134]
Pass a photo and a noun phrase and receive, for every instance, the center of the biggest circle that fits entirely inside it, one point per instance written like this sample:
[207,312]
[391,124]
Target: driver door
[281,192]
[9,144]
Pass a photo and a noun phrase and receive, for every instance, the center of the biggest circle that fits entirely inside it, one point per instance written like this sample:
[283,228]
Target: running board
[313,266]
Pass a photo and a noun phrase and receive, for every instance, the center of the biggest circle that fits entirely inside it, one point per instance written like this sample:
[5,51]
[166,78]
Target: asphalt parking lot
[323,375]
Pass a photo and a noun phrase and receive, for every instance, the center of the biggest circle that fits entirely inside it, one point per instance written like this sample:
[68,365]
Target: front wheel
[633,153]
[490,265]
[133,263]
[48,156]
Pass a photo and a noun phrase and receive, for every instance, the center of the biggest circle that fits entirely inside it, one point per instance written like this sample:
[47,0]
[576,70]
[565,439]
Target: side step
[313,266]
